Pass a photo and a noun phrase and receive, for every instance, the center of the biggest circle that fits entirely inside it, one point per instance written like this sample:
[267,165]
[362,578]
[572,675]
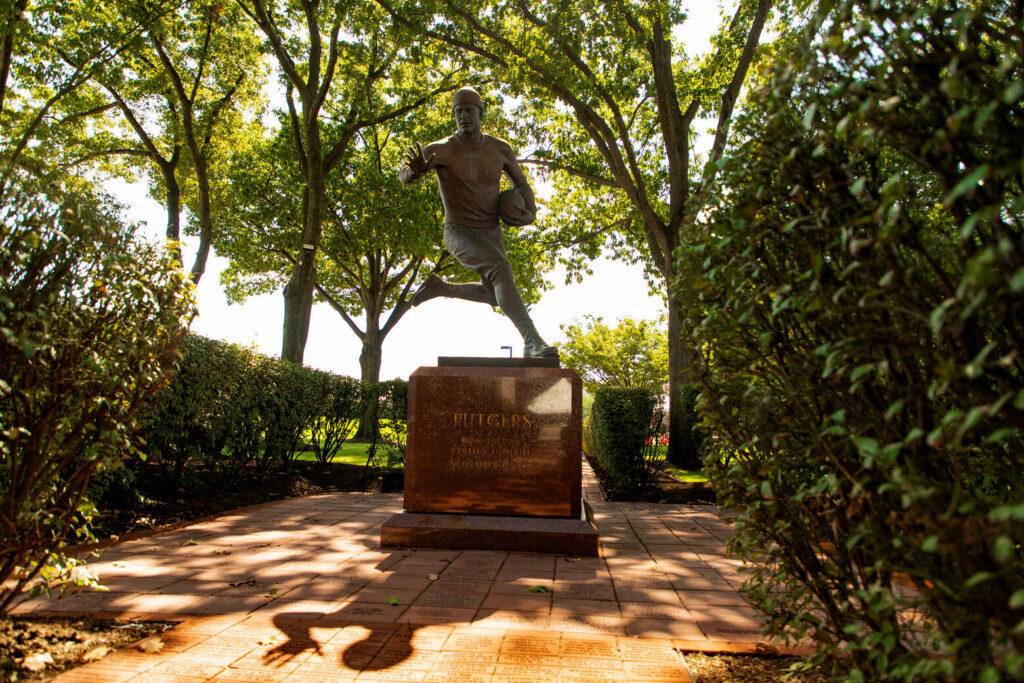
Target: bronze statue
[469,165]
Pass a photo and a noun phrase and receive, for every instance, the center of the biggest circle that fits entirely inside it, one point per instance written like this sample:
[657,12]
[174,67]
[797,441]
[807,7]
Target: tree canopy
[631,355]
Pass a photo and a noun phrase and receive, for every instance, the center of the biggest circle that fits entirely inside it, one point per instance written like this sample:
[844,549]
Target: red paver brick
[423,614]
[676,673]
[94,673]
[664,628]
[456,677]
[511,619]
[647,650]
[251,676]
[605,647]
[472,641]
[533,644]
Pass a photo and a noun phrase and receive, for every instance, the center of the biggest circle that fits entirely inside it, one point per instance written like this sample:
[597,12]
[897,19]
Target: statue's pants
[481,250]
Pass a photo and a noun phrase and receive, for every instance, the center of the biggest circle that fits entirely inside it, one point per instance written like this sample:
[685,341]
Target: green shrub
[229,405]
[90,320]
[337,416]
[863,294]
[387,442]
[623,429]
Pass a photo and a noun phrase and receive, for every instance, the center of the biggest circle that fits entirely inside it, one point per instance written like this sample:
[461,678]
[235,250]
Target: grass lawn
[350,454]
[692,476]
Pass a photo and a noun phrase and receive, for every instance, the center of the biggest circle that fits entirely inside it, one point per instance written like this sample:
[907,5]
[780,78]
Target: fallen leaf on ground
[251,581]
[432,577]
[96,654]
[220,552]
[150,645]
[37,661]
[539,589]
[572,559]
[188,542]
[272,593]
[394,601]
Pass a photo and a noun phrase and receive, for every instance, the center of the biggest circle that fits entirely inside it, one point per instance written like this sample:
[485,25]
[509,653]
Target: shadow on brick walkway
[300,590]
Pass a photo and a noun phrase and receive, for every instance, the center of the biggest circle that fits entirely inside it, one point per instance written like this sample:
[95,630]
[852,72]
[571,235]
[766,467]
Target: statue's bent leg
[481,251]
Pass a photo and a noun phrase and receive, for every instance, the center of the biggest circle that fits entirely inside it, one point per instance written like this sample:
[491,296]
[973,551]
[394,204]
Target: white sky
[440,327]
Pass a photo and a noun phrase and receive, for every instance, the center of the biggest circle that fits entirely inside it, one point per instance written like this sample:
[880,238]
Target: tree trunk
[173,232]
[298,293]
[369,368]
[682,443]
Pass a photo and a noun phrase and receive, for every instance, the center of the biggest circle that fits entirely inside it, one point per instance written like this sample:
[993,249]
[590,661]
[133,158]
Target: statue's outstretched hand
[417,164]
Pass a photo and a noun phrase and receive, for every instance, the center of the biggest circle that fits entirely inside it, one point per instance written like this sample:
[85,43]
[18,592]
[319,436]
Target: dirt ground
[25,643]
[38,649]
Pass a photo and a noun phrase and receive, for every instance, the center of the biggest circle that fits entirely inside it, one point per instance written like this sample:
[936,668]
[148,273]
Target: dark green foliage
[863,304]
[333,422]
[387,442]
[228,406]
[90,321]
[690,454]
[623,429]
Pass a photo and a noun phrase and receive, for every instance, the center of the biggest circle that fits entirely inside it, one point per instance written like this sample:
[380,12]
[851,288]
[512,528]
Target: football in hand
[512,208]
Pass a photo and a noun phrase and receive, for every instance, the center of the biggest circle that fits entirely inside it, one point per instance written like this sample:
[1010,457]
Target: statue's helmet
[467,95]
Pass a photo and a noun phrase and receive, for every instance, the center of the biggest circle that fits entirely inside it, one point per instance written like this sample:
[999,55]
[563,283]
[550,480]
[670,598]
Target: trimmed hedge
[229,406]
[622,433]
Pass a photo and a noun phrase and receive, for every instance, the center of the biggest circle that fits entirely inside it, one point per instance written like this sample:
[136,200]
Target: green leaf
[1017,599]
[1017,281]
[860,371]
[1003,549]
[866,445]
[809,115]
[989,675]
[394,601]
[539,589]
[1013,92]
[967,183]
[930,544]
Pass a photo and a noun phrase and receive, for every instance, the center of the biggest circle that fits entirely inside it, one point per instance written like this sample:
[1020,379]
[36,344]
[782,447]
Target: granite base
[559,535]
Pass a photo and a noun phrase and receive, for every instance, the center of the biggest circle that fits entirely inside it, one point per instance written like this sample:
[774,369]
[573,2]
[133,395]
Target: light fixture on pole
[509,350]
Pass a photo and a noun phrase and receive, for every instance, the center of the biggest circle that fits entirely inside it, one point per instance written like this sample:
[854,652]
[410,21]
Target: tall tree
[626,103]
[47,56]
[183,85]
[345,82]
[632,355]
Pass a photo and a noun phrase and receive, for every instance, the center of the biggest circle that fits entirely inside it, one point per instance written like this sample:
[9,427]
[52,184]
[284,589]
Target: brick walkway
[299,590]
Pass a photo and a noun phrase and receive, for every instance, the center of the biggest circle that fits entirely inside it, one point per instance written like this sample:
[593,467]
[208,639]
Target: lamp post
[509,350]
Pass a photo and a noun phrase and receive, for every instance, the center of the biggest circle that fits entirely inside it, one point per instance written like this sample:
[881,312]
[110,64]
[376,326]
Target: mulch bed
[663,489]
[37,649]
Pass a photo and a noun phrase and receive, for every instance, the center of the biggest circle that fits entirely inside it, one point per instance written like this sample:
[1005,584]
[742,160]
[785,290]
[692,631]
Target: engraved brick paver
[315,600]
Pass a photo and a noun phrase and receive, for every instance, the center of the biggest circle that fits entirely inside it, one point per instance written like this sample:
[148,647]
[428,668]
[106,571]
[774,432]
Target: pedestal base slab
[492,532]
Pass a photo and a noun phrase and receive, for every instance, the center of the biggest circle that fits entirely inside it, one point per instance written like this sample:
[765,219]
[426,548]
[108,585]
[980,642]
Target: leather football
[512,208]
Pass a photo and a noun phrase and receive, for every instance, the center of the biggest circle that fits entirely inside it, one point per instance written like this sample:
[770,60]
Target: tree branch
[555,166]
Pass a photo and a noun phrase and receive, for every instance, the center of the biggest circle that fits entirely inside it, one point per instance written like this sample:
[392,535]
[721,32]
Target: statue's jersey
[469,177]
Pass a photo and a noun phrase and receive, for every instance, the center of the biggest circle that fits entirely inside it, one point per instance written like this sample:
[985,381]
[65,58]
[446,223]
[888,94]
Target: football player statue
[469,165]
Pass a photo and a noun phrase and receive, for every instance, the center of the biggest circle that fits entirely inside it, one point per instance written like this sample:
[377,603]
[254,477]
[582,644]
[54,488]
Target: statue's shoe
[430,288]
[538,349]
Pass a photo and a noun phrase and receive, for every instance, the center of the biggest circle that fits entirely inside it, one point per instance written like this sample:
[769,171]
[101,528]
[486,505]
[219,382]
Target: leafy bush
[622,428]
[229,405]
[336,419]
[388,440]
[863,324]
[91,319]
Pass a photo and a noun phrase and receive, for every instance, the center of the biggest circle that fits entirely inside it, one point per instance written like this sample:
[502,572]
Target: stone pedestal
[493,459]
